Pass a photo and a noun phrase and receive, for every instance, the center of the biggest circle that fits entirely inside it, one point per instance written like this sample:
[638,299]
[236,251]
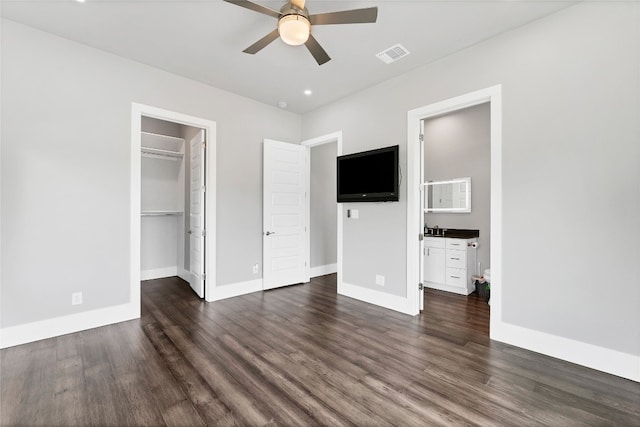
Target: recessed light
[308,92]
[80,1]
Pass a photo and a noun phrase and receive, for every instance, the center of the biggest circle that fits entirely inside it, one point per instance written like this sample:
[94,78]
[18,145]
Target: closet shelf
[156,152]
[161,213]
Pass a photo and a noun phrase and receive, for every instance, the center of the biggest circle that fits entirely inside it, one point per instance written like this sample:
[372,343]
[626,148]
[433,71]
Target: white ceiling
[203,39]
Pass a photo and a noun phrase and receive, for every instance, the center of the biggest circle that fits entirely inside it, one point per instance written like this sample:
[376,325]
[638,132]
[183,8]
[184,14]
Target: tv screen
[370,176]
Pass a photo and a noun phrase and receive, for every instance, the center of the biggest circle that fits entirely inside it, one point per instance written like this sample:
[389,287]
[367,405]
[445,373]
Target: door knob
[268,233]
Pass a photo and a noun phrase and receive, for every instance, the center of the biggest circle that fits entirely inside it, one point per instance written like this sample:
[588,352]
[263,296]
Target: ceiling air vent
[393,54]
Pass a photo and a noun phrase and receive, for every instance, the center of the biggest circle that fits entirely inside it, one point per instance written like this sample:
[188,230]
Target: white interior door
[423,194]
[285,231]
[197,213]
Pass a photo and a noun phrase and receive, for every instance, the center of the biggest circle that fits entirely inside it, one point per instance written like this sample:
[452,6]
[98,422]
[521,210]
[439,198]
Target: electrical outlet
[76,298]
[255,268]
[379,279]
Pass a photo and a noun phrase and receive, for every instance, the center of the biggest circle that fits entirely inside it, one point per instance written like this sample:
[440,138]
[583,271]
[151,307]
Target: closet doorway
[173,199]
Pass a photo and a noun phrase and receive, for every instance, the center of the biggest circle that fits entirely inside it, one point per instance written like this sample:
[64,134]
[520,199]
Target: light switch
[354,213]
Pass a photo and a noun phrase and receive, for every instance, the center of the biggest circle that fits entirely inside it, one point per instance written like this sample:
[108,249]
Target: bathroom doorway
[456,196]
[415,196]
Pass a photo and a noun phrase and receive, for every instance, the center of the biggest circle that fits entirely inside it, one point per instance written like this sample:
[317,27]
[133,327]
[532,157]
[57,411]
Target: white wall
[66,171]
[458,145]
[571,164]
[324,226]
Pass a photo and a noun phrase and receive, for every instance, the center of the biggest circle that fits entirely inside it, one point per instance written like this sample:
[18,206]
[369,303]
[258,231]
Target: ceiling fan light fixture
[294,29]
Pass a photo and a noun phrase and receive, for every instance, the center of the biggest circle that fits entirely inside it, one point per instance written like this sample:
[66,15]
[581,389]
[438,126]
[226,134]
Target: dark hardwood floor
[300,356]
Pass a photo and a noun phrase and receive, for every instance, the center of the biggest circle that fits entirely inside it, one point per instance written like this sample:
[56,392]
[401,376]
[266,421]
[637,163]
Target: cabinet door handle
[428,251]
[457,259]
[454,277]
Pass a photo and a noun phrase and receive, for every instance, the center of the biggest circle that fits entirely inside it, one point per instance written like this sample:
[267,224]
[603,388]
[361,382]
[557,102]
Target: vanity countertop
[454,233]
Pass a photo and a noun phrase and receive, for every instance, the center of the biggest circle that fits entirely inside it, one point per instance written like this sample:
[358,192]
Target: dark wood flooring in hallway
[301,356]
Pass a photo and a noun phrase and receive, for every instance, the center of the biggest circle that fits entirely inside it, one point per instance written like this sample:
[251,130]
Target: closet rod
[159,152]
[161,213]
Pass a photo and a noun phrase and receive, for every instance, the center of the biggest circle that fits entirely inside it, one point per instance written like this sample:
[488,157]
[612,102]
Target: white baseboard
[236,289]
[382,299]
[43,329]
[323,270]
[447,288]
[159,273]
[592,356]
[184,274]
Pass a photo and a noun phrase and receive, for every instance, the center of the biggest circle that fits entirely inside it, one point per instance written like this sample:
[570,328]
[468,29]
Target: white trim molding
[372,296]
[158,273]
[323,270]
[592,356]
[49,328]
[236,289]
[184,274]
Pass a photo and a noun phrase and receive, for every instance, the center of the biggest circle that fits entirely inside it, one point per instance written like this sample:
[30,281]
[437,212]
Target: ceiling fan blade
[298,3]
[355,16]
[262,43]
[255,7]
[319,54]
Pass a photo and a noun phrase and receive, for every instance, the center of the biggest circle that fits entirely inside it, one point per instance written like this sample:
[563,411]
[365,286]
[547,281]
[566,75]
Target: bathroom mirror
[453,195]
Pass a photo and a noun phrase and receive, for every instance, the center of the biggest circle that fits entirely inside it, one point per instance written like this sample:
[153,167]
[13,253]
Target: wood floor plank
[203,397]
[301,356]
[246,407]
[295,391]
[337,399]
[391,410]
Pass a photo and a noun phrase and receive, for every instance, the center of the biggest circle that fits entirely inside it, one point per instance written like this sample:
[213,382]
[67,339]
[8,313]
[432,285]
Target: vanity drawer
[460,244]
[456,259]
[434,242]
[456,277]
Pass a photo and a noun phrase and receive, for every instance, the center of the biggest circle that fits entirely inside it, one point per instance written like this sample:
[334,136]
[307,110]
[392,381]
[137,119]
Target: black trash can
[482,287]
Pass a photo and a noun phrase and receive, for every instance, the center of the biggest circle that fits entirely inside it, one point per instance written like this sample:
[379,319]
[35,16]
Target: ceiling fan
[294,25]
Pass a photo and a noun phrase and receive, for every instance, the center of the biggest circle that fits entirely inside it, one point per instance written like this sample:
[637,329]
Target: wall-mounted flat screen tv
[369,176]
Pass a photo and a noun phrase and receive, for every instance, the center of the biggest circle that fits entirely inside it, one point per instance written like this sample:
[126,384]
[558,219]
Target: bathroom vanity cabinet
[449,264]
